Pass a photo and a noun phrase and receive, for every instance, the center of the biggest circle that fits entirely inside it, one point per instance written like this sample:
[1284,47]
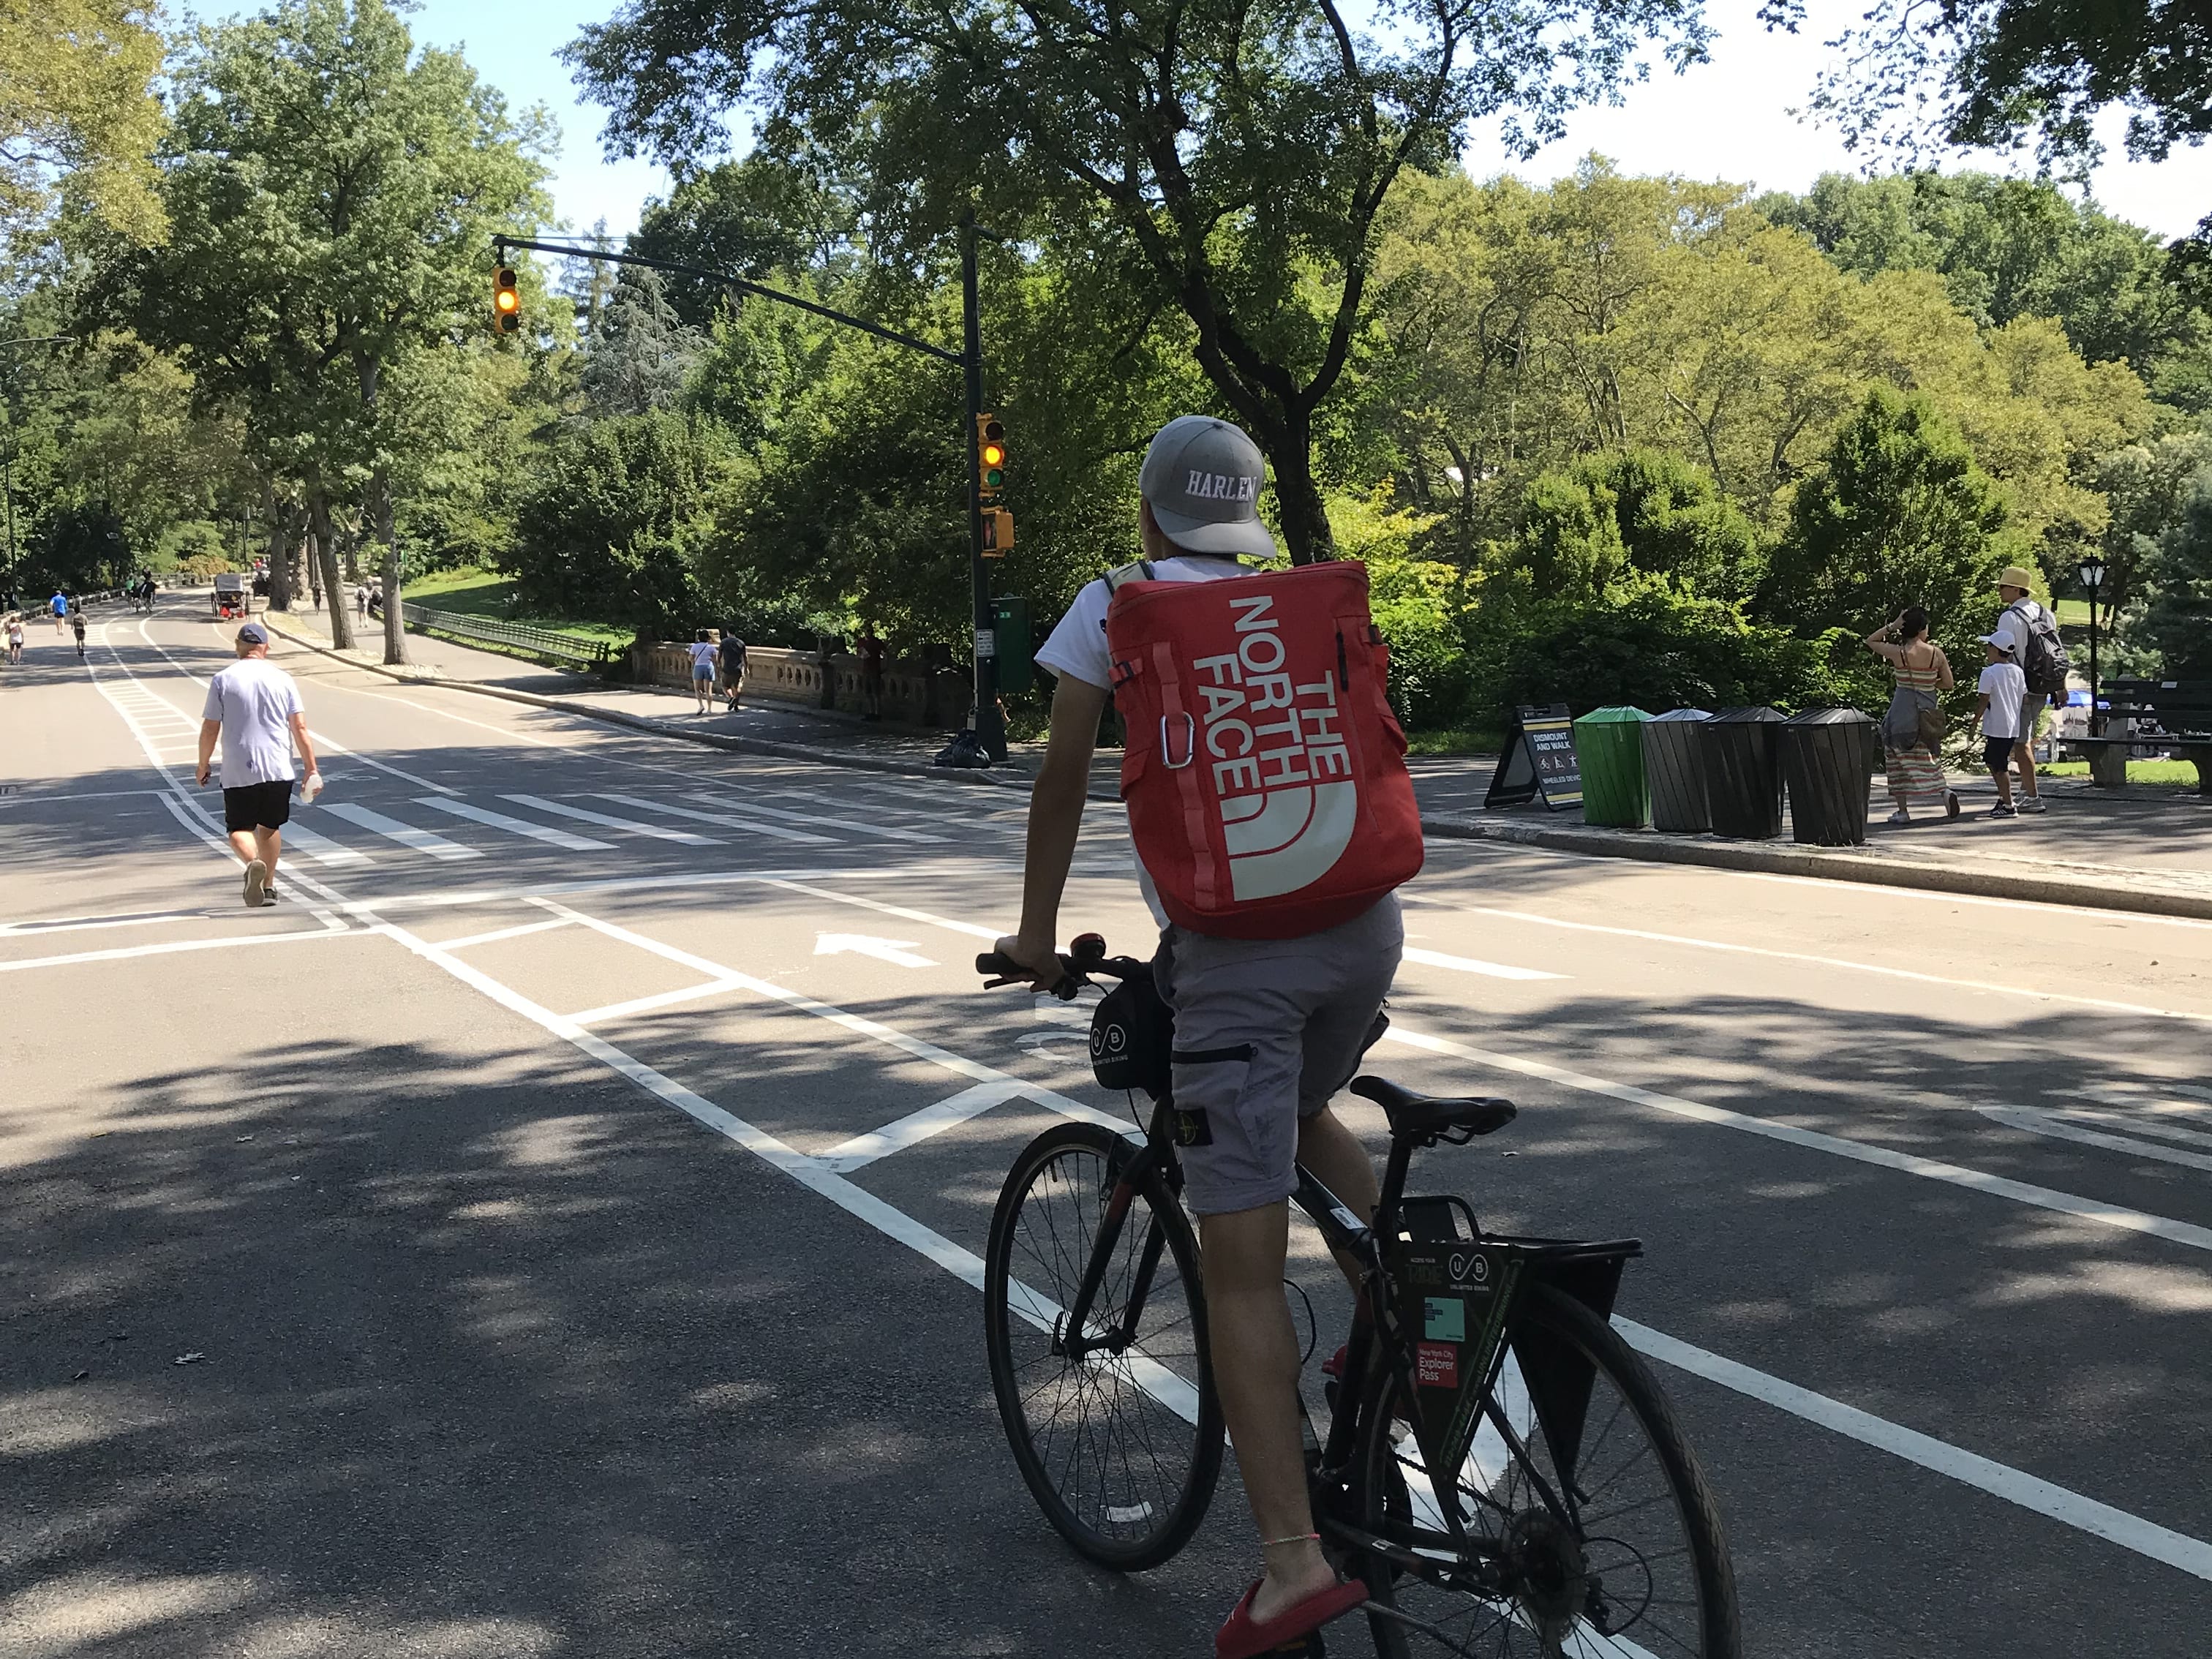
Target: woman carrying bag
[1913,731]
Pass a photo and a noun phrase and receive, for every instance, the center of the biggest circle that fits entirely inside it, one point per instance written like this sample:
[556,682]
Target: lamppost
[2092,571]
[8,460]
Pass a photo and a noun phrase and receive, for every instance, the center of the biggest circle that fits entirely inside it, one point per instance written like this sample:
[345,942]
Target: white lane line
[729,820]
[405,834]
[970,928]
[176,947]
[2042,1497]
[430,708]
[713,988]
[747,804]
[721,973]
[2020,1191]
[1471,965]
[2031,992]
[2036,1121]
[934,1120]
[2130,1531]
[514,826]
[298,838]
[608,821]
[501,932]
[91,924]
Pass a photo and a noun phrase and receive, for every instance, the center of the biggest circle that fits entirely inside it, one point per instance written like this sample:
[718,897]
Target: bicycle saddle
[1424,1115]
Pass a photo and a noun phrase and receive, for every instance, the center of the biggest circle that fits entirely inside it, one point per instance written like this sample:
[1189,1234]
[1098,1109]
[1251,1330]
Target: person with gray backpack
[2029,633]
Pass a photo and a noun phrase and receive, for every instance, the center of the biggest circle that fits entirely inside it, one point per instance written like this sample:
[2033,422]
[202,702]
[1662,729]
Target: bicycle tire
[1063,1178]
[1512,1628]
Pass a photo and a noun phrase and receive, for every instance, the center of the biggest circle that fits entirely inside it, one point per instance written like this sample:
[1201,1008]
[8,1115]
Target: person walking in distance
[360,600]
[60,606]
[253,706]
[871,645]
[1913,731]
[2030,636]
[76,626]
[1266,1027]
[733,665]
[2002,706]
[14,640]
[704,654]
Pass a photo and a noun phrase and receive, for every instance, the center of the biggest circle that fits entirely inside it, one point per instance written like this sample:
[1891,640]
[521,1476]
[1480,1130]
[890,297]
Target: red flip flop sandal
[1246,1638]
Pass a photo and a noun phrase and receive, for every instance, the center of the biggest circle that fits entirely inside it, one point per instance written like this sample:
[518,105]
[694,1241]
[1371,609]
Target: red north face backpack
[1265,775]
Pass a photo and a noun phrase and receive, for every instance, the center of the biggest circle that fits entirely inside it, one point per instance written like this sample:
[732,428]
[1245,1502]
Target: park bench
[2139,714]
[565,649]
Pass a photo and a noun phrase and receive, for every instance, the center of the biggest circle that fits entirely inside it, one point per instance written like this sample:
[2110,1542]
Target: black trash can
[1743,778]
[1827,760]
[1672,767]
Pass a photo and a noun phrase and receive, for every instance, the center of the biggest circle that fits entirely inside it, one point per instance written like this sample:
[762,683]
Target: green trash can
[1609,746]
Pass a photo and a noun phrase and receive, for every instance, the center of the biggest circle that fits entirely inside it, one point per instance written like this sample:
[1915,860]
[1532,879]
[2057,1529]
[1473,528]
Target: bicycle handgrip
[998,971]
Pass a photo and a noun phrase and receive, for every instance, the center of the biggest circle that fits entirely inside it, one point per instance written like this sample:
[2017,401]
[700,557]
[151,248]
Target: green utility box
[1011,629]
[1609,745]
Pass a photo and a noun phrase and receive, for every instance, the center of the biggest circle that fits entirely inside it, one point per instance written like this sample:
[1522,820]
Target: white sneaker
[2032,804]
[256,884]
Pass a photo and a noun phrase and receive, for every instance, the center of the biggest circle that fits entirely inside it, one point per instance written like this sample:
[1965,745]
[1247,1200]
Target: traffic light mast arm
[741,284]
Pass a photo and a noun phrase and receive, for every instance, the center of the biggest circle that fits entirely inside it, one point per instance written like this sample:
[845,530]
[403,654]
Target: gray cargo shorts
[1266,1030]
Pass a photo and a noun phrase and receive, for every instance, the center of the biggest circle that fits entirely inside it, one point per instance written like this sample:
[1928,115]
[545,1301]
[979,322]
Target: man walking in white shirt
[253,706]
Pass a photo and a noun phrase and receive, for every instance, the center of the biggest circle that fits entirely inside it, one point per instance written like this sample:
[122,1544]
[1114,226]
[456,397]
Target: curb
[1816,863]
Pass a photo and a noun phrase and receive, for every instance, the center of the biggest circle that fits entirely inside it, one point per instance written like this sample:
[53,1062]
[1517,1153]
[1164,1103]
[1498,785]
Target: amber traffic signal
[505,300]
[990,457]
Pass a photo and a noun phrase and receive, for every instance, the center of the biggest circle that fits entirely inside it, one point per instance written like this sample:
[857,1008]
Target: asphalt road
[489,1249]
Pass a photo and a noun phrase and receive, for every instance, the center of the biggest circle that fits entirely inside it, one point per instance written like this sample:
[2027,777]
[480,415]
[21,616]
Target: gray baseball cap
[1203,478]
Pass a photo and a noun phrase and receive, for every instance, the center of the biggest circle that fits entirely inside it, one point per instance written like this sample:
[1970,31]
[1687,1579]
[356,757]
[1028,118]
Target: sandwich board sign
[1539,760]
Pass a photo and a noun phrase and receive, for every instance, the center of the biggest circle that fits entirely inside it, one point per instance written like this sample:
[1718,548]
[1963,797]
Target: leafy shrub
[1614,515]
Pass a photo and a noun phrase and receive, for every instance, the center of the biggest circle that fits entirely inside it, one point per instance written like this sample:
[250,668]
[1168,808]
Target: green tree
[1902,516]
[748,218]
[333,192]
[1640,511]
[640,352]
[2177,620]
[1239,157]
[77,122]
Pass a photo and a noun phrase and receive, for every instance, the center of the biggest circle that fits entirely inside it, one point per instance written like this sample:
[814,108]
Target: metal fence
[540,641]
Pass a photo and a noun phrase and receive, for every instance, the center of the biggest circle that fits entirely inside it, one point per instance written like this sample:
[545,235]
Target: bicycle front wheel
[1118,1434]
[1587,1537]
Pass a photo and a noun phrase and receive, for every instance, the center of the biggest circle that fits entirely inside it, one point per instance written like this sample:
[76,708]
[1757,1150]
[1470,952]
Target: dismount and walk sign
[1538,759]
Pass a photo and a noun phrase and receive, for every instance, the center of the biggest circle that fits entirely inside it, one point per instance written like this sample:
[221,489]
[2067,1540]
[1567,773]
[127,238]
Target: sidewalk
[2141,851]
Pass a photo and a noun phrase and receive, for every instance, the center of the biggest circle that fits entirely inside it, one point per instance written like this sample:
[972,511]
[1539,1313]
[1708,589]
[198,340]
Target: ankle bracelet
[1295,1538]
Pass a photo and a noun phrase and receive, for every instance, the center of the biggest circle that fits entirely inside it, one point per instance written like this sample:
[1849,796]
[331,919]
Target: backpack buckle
[1189,744]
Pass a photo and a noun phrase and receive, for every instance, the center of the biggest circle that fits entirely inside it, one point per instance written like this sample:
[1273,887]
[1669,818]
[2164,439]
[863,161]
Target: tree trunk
[395,624]
[1297,497]
[326,558]
[280,556]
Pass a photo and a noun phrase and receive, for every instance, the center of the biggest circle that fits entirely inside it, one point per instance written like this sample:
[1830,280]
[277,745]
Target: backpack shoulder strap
[1141,571]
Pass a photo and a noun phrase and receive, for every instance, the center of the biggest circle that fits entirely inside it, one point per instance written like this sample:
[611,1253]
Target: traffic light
[997,532]
[990,461]
[505,300]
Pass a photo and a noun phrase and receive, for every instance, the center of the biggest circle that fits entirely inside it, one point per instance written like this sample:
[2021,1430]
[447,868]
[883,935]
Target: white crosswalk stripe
[750,804]
[298,838]
[405,834]
[514,826]
[729,820]
[608,821]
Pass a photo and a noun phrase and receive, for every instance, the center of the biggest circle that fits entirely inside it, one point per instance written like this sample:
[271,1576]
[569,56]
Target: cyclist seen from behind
[1273,816]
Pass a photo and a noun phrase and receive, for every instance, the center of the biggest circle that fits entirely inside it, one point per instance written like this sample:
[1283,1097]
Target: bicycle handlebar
[1085,955]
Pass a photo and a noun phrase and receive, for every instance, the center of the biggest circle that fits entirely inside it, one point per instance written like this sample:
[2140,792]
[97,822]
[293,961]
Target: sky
[1728,119]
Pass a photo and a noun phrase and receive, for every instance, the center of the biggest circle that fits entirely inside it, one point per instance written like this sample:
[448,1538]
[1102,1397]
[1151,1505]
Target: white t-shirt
[1077,647]
[2006,686]
[255,699]
[702,659]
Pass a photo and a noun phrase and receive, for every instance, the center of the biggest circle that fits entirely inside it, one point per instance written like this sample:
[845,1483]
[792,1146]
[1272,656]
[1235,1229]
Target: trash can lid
[1684,714]
[1619,715]
[1754,715]
[1829,717]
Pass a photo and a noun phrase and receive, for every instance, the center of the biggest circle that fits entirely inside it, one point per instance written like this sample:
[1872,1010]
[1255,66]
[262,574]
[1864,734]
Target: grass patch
[1468,740]
[476,593]
[2178,771]
[2072,613]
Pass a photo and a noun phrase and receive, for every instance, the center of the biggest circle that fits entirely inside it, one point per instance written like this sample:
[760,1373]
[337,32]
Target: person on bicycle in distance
[1294,1015]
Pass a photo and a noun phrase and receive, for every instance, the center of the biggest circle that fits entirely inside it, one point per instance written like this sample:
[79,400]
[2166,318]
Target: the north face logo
[1288,801]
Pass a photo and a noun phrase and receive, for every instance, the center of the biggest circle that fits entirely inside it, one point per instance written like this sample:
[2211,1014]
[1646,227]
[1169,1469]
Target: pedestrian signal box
[1011,619]
[997,532]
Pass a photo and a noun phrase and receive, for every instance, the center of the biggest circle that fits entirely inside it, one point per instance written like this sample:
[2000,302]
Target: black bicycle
[1496,1463]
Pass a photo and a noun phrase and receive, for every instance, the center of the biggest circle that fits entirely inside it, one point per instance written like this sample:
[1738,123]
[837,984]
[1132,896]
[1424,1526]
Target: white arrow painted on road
[900,950]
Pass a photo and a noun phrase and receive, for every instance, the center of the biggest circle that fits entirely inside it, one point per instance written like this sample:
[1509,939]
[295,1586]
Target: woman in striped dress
[1913,731]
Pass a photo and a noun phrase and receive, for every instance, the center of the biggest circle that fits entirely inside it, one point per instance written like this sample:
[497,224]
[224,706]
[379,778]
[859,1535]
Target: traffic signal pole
[987,725]
[990,725]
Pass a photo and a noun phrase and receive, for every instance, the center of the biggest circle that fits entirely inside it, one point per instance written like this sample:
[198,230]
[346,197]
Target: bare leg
[267,844]
[2005,787]
[1256,1371]
[2023,756]
[246,844]
[1340,1164]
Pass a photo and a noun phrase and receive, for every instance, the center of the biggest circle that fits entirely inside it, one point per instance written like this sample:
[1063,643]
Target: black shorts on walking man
[253,706]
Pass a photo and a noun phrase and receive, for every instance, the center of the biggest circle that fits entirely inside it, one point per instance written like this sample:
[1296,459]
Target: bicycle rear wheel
[1121,1444]
[1615,1553]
